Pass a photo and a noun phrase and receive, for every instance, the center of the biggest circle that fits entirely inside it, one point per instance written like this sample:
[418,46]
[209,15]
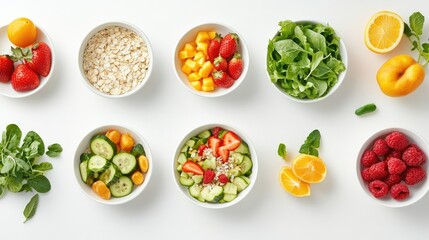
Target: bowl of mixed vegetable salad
[306,60]
[113,164]
[215,166]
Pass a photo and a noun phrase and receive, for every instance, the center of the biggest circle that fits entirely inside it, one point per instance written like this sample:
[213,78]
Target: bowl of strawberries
[26,58]
[392,167]
[211,59]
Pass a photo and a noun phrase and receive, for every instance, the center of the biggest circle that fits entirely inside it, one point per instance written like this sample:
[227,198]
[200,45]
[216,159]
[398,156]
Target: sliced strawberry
[214,143]
[231,141]
[223,153]
[223,179]
[201,149]
[208,177]
[215,131]
[191,167]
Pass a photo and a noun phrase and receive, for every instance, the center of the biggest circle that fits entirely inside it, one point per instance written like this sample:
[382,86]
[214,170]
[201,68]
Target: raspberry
[392,179]
[395,154]
[366,175]
[201,149]
[380,147]
[395,166]
[378,170]
[413,156]
[399,191]
[223,178]
[414,175]
[209,175]
[397,141]
[369,158]
[378,188]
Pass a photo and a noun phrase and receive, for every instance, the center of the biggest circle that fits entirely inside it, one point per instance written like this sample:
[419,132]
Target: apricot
[400,76]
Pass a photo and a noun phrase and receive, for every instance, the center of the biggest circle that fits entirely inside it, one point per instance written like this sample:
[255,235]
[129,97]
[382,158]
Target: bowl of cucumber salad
[113,164]
[215,166]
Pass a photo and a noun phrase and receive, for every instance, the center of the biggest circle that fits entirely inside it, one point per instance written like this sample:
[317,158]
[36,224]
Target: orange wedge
[292,184]
[384,31]
[309,168]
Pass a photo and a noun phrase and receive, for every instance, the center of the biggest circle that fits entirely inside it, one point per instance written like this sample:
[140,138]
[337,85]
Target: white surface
[163,112]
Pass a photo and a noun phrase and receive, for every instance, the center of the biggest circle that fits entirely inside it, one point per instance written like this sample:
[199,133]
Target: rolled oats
[115,60]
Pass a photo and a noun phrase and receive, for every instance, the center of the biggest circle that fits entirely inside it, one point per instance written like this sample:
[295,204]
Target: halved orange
[292,184]
[384,31]
[309,168]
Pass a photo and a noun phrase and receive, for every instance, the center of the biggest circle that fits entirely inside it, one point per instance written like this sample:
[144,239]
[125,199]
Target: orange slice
[384,31]
[292,184]
[308,168]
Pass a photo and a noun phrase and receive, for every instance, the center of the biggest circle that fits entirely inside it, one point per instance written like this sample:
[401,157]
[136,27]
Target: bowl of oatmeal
[115,59]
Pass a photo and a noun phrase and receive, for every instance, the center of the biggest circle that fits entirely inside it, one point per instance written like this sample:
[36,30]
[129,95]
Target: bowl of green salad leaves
[306,60]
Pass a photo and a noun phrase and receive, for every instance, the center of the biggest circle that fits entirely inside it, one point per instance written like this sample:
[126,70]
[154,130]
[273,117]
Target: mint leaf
[311,144]
[40,183]
[54,150]
[31,207]
[44,166]
[282,150]
[416,22]
[407,30]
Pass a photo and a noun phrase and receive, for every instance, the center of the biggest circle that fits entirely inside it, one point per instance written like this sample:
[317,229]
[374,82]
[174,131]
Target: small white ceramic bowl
[5,45]
[417,191]
[184,190]
[131,27]
[190,36]
[341,76]
[84,145]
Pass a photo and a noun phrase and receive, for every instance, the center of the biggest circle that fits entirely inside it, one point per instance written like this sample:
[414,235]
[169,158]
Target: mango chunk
[192,65]
[202,46]
[202,37]
[206,69]
[207,88]
[212,35]
[196,85]
[208,81]
[199,55]
[194,77]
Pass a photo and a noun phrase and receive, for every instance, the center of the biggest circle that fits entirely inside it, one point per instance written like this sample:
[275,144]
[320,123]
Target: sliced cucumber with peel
[125,162]
[98,164]
[103,146]
[122,187]
[111,175]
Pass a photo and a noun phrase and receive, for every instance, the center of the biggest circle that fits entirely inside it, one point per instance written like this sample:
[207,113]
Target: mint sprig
[311,144]
[413,31]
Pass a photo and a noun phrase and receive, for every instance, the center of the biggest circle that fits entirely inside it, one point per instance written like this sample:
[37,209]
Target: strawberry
[222,79]
[213,143]
[235,66]
[24,79]
[215,131]
[231,141]
[228,45]
[220,64]
[6,68]
[223,153]
[201,149]
[41,59]
[191,167]
[213,48]
[208,177]
[223,179]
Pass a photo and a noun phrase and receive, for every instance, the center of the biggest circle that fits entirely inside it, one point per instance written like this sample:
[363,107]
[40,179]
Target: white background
[163,112]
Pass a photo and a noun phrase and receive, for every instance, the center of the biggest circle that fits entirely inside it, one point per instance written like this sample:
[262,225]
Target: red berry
[414,175]
[41,60]
[208,177]
[378,170]
[369,158]
[213,48]
[395,154]
[395,166]
[366,175]
[380,147]
[392,179]
[214,143]
[399,191]
[228,45]
[6,68]
[235,66]
[215,131]
[222,79]
[378,188]
[201,149]
[414,156]
[220,64]
[223,153]
[24,79]
[223,179]
[397,141]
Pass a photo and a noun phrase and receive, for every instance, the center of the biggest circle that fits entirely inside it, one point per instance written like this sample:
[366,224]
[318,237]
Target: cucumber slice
[212,195]
[184,174]
[97,164]
[200,142]
[111,175]
[191,143]
[240,183]
[205,134]
[179,168]
[246,179]
[237,157]
[126,162]
[230,188]
[182,158]
[122,187]
[185,149]
[209,164]
[197,178]
[195,190]
[246,166]
[103,146]
[186,181]
[229,197]
[84,172]
[243,148]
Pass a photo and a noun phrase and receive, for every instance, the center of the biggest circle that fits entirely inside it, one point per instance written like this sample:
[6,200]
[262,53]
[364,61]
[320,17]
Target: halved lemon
[292,184]
[309,168]
[384,31]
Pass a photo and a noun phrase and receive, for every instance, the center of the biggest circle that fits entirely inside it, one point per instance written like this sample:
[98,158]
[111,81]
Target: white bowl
[124,25]
[341,76]
[190,36]
[416,191]
[84,145]
[5,45]
[241,195]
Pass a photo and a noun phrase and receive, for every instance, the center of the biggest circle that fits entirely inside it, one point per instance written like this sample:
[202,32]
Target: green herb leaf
[43,167]
[281,151]
[311,144]
[416,23]
[31,207]
[9,164]
[138,150]
[12,137]
[1,190]
[407,30]
[14,184]
[40,183]
[34,137]
[54,150]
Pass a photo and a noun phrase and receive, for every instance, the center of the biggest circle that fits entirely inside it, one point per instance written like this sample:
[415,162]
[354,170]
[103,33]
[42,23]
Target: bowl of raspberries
[391,167]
